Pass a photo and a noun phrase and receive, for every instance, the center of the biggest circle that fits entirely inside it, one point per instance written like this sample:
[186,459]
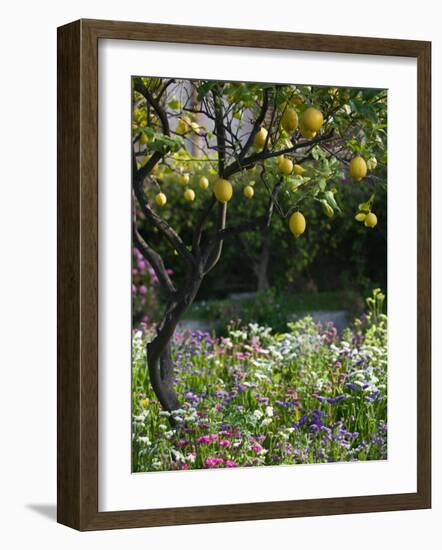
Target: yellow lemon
[298,169]
[223,190]
[143,139]
[297,224]
[184,179]
[370,220]
[357,168]
[161,199]
[296,100]
[312,119]
[289,120]
[248,192]
[204,182]
[189,195]
[285,165]
[360,216]
[307,134]
[372,163]
[260,138]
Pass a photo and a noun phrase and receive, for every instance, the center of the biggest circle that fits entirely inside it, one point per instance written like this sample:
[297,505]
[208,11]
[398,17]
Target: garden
[259,275]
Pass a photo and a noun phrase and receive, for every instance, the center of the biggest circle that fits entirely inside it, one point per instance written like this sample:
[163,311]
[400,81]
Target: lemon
[307,134]
[370,220]
[248,192]
[189,195]
[285,165]
[372,163]
[298,169]
[297,224]
[204,182]
[360,216]
[143,139]
[296,100]
[161,199]
[357,168]
[260,138]
[184,179]
[223,190]
[289,120]
[312,119]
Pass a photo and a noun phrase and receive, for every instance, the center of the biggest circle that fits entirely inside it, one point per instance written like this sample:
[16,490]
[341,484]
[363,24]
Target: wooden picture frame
[78,274]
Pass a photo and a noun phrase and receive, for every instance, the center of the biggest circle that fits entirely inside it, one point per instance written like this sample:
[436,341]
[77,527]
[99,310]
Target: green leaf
[330,197]
[322,183]
[204,88]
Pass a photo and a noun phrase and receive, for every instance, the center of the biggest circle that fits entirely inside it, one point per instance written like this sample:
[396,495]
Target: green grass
[274,308]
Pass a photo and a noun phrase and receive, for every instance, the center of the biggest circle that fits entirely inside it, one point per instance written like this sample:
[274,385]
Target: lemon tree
[203,151]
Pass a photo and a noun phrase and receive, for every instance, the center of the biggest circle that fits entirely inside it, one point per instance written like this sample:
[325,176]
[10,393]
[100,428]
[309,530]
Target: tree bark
[159,350]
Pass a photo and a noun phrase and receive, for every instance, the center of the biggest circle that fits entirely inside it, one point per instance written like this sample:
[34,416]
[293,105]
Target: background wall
[28,273]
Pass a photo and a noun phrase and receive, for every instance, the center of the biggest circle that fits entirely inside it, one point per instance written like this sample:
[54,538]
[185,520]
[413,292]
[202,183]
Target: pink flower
[213,462]
[231,464]
[256,448]
[207,438]
[143,290]
[182,442]
[224,443]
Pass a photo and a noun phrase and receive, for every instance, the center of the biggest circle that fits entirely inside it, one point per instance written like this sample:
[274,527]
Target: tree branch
[213,251]
[220,132]
[155,261]
[165,229]
[258,122]
[252,159]
[154,103]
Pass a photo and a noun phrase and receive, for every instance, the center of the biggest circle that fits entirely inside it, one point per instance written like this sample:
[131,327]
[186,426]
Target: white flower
[266,422]
[258,414]
[144,440]
[269,411]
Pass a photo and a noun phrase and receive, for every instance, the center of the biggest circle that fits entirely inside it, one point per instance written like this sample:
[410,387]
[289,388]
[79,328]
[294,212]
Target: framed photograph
[243,275]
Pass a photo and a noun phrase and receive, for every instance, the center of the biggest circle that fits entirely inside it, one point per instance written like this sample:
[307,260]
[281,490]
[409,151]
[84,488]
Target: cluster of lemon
[358,169]
[189,194]
[309,125]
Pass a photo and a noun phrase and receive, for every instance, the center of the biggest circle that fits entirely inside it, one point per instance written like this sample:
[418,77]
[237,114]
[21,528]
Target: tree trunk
[159,350]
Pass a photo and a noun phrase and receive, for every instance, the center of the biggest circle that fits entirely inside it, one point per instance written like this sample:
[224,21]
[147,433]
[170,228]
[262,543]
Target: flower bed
[256,398]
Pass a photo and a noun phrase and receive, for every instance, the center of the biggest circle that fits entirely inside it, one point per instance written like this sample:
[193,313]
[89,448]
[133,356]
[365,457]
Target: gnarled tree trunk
[159,350]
